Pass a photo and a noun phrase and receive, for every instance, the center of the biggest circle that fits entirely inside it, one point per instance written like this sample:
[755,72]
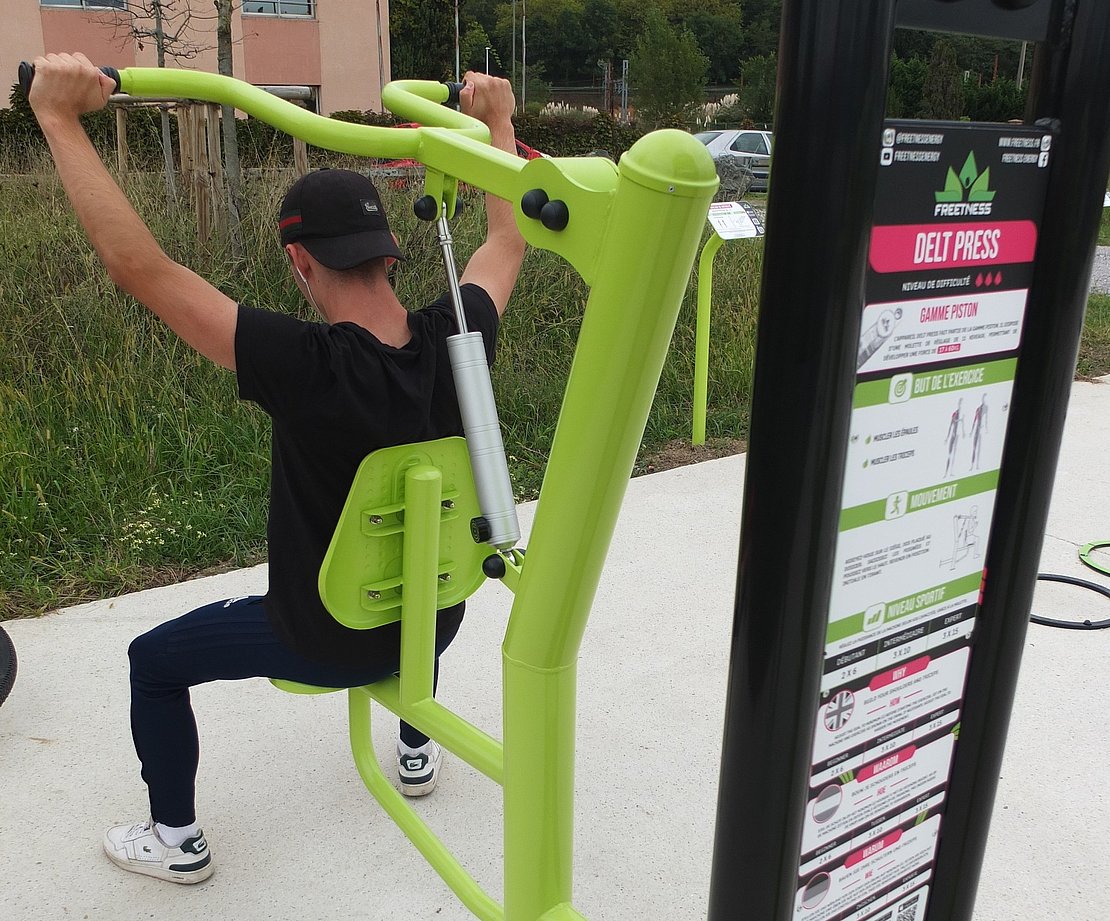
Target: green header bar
[903,607]
[896,505]
[930,383]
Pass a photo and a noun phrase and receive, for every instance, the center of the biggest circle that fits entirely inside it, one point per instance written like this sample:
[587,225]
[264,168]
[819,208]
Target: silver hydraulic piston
[498,525]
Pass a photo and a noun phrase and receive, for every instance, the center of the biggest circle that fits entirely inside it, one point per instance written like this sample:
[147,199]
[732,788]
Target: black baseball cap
[337,215]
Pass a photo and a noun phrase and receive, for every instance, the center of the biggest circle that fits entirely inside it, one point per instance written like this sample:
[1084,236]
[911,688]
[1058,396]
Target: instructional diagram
[911,332]
[876,796]
[877,873]
[950,265]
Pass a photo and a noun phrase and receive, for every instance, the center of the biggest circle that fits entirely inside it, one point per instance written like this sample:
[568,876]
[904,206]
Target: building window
[297,8]
[88,4]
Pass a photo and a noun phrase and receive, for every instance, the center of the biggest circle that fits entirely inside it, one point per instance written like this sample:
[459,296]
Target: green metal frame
[633,235]
[701,340]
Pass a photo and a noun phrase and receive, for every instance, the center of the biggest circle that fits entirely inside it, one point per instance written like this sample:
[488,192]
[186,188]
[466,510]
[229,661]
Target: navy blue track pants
[226,640]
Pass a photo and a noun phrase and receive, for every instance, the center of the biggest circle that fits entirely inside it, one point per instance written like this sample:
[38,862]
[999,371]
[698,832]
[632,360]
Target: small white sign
[735,220]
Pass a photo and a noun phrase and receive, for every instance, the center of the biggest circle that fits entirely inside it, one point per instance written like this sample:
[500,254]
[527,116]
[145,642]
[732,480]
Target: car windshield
[706,136]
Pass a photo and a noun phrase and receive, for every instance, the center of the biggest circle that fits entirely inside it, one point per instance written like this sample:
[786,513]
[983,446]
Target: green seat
[295,687]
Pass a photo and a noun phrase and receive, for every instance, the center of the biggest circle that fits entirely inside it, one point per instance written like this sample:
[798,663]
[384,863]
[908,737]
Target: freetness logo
[969,193]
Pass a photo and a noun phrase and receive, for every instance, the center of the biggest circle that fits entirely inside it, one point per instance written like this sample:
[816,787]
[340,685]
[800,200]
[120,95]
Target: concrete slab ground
[295,835]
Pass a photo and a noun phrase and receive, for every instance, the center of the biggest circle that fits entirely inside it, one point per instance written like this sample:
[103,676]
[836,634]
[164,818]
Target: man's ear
[299,257]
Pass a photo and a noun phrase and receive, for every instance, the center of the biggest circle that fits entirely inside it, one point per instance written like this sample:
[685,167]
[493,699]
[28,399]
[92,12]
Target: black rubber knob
[555,215]
[494,567]
[453,90]
[426,208]
[480,530]
[532,203]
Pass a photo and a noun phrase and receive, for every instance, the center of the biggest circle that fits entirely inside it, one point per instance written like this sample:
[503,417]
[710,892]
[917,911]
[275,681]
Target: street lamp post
[487,59]
[456,41]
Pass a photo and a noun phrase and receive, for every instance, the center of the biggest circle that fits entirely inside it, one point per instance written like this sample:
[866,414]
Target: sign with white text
[955,233]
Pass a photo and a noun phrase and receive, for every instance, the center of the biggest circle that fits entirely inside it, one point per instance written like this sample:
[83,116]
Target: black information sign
[955,232]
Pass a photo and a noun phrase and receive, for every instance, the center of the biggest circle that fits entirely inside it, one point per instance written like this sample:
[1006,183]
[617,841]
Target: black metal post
[833,61]
[1071,87]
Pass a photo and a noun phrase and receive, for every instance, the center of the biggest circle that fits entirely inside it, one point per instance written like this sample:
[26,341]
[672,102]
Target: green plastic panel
[360,578]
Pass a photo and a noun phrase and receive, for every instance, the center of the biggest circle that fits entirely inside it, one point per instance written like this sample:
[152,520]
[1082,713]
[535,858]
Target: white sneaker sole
[420,789]
[186,877]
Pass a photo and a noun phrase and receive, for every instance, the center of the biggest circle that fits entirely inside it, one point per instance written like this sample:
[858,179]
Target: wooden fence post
[201,178]
[300,156]
[215,173]
[121,138]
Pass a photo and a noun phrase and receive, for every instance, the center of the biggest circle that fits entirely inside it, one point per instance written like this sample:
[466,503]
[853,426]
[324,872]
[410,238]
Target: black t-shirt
[335,393]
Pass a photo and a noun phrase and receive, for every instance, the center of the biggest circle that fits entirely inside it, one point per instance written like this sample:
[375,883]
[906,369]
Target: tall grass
[126,459]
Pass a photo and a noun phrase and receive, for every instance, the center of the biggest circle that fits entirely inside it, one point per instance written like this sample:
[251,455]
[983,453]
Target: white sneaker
[139,849]
[419,768]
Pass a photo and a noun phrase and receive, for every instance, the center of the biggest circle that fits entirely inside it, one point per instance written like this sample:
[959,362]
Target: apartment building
[337,50]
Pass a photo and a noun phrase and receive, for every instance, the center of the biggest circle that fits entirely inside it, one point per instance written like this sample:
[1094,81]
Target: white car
[749,145]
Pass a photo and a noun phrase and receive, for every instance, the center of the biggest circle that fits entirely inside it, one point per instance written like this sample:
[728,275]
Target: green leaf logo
[970,183]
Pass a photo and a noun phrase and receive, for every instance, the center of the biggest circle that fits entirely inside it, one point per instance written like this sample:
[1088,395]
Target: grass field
[127,461]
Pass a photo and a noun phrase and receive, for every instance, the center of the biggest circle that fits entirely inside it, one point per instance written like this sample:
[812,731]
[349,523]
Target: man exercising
[370,375]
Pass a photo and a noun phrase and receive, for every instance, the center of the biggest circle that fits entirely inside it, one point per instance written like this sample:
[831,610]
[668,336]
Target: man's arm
[65,87]
[495,265]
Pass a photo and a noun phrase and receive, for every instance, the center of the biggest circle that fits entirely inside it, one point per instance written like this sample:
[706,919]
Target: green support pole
[420,563]
[701,342]
[662,195]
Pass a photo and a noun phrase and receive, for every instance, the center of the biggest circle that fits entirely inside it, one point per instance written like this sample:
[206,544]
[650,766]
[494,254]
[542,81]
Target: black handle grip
[453,90]
[27,75]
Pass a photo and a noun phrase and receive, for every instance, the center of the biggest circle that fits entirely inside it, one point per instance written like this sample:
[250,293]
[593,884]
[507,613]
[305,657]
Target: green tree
[667,70]
[557,39]
[720,35]
[422,39]
[601,20]
[472,49]
[907,81]
[942,95]
[761,32]
[999,101]
[757,95]
[980,56]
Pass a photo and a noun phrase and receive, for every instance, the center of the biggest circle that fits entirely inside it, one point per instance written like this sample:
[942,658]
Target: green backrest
[360,578]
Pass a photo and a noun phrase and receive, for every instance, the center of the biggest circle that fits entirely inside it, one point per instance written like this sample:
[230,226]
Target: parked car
[750,146]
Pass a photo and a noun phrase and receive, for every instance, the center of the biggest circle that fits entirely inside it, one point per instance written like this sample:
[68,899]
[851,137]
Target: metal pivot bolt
[555,215]
[532,203]
[426,208]
[493,566]
[552,213]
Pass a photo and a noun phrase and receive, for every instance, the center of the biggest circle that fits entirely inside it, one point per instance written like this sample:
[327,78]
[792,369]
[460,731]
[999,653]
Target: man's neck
[374,307]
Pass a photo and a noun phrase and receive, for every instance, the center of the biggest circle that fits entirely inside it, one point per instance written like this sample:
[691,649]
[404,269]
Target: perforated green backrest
[360,578]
